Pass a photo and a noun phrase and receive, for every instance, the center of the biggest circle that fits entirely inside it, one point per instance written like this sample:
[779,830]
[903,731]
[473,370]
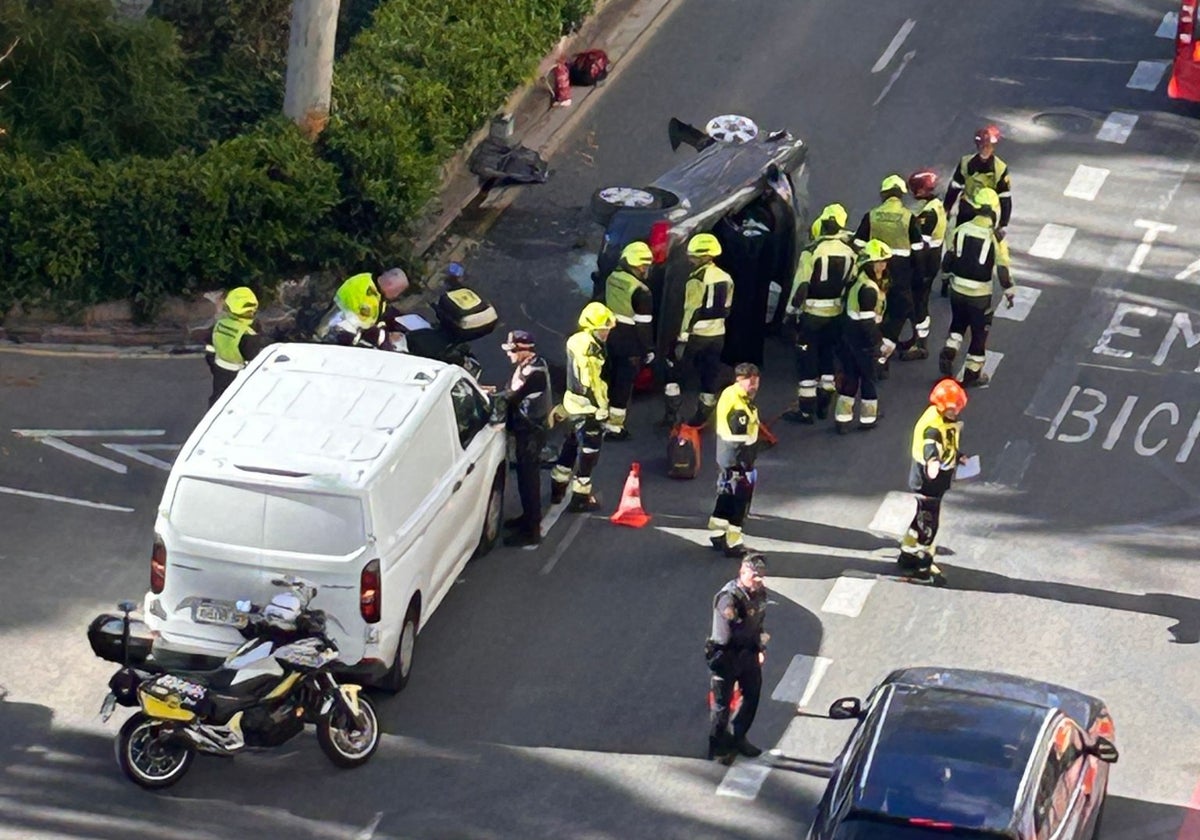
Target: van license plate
[212,614]
[106,708]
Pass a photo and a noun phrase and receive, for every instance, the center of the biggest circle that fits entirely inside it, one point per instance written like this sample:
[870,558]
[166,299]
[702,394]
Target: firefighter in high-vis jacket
[975,254]
[708,297]
[860,340]
[631,343]
[931,218]
[234,341]
[894,225]
[825,270]
[737,448]
[936,454]
[977,171]
[585,404]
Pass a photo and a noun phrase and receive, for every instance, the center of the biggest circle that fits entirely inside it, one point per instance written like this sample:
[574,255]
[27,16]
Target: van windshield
[268,518]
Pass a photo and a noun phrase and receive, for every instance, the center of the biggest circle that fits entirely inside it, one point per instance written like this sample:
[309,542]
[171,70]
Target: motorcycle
[261,696]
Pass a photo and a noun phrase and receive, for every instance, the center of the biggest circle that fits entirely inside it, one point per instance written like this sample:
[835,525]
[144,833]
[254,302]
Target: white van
[375,475]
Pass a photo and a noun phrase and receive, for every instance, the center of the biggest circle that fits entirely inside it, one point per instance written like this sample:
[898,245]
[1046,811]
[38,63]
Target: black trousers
[735,492]
[916,548]
[703,355]
[971,313]
[816,348]
[527,450]
[624,372]
[222,379]
[858,371]
[901,309]
[729,667]
[579,453]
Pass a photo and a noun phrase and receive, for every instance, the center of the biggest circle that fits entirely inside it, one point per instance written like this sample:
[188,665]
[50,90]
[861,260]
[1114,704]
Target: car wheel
[731,128]
[608,200]
[493,517]
[397,676]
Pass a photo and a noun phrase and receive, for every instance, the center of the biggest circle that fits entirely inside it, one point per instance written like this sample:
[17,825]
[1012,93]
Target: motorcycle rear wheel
[340,740]
[149,760]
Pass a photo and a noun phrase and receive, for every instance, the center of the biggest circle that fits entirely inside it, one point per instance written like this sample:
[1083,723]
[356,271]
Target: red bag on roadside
[589,67]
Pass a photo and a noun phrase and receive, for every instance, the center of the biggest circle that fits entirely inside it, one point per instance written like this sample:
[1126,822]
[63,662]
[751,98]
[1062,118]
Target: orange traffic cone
[630,512]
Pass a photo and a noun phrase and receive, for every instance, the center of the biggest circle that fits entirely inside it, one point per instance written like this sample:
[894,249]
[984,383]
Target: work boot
[946,361]
[582,503]
[824,398]
[795,415]
[717,543]
[746,748]
[558,491]
[975,379]
[515,521]
[843,428]
[718,748]
[618,435]
[736,551]
[916,352]
[523,538]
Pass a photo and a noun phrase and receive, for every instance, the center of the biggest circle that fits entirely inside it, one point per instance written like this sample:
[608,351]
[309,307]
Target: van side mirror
[1105,750]
[845,708]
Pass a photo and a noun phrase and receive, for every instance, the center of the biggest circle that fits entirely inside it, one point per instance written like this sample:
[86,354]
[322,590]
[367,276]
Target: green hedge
[257,208]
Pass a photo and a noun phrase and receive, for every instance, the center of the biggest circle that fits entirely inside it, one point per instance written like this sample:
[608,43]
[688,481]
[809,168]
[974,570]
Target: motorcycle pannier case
[104,635]
[683,452]
[465,315]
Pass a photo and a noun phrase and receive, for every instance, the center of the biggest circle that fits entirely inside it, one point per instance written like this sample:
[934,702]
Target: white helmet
[283,611]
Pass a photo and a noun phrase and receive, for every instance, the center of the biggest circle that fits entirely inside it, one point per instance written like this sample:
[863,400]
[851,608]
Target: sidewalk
[617,26]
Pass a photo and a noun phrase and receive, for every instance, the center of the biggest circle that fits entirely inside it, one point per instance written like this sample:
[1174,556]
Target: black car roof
[948,755]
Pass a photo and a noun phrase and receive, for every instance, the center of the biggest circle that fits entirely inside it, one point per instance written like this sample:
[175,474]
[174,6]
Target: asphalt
[560,691]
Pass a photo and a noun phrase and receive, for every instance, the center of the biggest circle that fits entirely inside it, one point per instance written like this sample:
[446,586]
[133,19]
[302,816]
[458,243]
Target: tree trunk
[310,64]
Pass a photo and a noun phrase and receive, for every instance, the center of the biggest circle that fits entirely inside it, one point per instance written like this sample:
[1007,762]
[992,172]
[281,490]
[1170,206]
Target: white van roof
[313,415]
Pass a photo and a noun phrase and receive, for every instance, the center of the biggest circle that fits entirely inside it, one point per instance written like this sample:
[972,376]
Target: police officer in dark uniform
[528,402]
[735,653]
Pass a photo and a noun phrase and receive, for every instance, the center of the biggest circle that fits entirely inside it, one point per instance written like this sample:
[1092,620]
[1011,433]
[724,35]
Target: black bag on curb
[464,314]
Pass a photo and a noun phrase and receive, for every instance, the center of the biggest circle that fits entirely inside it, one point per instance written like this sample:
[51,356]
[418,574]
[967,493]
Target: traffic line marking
[991,361]
[894,514]
[744,779]
[564,545]
[53,439]
[908,56]
[894,46]
[66,500]
[137,452]
[1169,25]
[1117,127]
[848,596]
[800,680]
[1053,241]
[1153,229]
[1147,75]
[699,537]
[1024,297]
[1086,182]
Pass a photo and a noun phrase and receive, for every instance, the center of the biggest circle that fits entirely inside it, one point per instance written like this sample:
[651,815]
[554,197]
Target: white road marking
[565,544]
[894,514]
[1153,229]
[1169,25]
[1052,242]
[908,56]
[848,596]
[801,679]
[137,452]
[369,832]
[745,778]
[66,500]
[1117,127]
[51,438]
[1086,182]
[1024,297]
[894,46]
[1147,75]
[552,516]
[991,361]
[1189,271]
[699,537]
[90,457]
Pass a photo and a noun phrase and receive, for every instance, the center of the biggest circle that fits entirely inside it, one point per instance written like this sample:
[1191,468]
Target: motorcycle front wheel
[150,757]
[342,741]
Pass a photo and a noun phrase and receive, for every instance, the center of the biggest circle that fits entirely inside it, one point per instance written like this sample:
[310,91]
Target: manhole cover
[1066,122]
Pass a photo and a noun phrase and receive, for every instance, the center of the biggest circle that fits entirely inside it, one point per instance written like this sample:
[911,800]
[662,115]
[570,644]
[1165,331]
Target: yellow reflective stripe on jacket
[822,306]
[852,308]
[946,441]
[701,293]
[970,288]
[938,236]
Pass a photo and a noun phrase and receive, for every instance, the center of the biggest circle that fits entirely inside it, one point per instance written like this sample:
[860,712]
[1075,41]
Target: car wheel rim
[626,197]
[408,643]
[350,741]
[731,128]
[153,757]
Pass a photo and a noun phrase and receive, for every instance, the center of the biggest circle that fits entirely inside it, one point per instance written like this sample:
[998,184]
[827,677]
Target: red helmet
[988,135]
[922,183]
[948,394]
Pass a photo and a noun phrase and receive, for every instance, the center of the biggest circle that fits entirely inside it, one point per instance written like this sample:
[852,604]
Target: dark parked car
[940,753]
[747,188]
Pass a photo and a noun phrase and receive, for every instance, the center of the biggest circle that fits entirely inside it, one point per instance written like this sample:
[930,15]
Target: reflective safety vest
[730,444]
[890,223]
[936,438]
[973,182]
[706,302]
[226,337]
[825,267]
[934,206]
[976,256]
[586,391]
[619,291]
[854,310]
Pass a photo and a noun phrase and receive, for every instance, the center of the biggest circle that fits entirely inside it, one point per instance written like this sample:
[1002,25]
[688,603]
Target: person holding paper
[935,456]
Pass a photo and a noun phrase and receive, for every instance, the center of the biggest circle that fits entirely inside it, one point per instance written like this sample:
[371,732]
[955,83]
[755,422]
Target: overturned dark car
[749,189]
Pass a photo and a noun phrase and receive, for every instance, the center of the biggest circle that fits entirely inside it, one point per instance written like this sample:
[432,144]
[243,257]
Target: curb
[617,26]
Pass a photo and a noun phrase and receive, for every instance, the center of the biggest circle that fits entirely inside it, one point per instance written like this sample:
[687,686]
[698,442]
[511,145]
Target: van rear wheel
[493,517]
[397,676]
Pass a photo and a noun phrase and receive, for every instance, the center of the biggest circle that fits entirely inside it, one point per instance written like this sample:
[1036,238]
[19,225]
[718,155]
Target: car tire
[606,201]
[398,675]
[493,517]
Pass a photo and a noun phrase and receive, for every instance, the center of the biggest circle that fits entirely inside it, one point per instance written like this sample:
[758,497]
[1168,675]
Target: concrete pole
[310,64]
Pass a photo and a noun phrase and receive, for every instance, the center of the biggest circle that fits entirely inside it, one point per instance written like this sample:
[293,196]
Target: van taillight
[158,566]
[370,593]
[659,241]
